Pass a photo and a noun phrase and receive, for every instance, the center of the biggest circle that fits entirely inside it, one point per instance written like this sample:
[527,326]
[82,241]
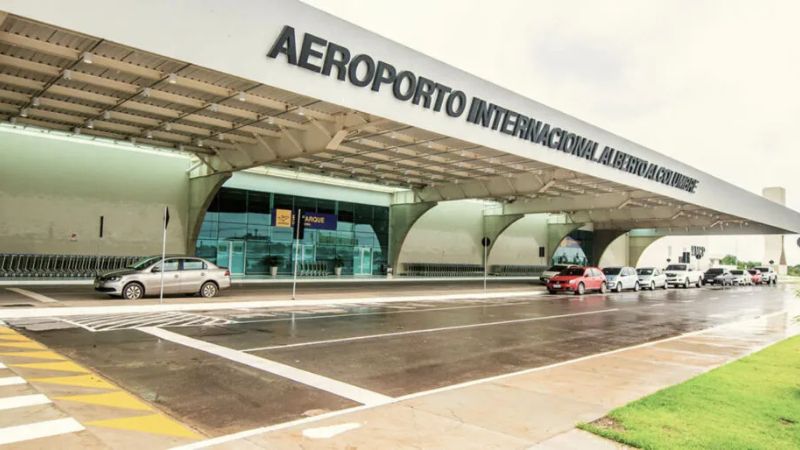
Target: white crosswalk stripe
[139,320]
[36,430]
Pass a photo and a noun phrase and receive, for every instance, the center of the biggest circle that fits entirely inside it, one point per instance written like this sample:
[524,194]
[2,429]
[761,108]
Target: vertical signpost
[297,225]
[486,242]
[163,253]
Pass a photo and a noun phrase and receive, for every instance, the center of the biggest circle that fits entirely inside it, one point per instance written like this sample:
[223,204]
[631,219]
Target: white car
[553,271]
[741,277]
[768,276]
[651,278]
[619,278]
[683,275]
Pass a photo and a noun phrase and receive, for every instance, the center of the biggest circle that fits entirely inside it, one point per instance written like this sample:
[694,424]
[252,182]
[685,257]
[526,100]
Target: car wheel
[581,289]
[618,287]
[133,291]
[209,289]
[636,287]
[666,286]
[551,292]
[698,284]
[686,283]
[603,288]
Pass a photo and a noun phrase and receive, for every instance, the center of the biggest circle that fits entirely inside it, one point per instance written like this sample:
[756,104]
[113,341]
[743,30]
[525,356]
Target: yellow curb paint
[62,366]
[156,424]
[13,338]
[27,345]
[6,330]
[113,399]
[35,355]
[90,381]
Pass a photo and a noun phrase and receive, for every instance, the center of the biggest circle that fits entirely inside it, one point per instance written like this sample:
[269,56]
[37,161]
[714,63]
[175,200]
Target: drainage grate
[111,322]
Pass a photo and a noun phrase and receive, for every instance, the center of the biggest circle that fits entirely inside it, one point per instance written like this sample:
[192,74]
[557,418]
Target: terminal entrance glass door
[362,261]
[230,254]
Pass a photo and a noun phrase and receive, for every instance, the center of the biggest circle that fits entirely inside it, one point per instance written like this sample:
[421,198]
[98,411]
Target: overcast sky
[711,83]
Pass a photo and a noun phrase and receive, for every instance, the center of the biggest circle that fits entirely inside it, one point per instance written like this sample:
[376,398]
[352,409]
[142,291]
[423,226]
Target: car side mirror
[155,269]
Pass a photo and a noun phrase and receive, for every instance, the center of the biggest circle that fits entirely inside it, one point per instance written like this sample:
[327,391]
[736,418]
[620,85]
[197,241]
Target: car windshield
[737,272]
[753,271]
[557,268]
[763,269]
[644,271]
[714,271]
[572,271]
[145,262]
[676,267]
[612,270]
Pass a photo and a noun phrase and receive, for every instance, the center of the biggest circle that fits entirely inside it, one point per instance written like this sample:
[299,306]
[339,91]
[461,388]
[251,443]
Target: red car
[578,280]
[756,275]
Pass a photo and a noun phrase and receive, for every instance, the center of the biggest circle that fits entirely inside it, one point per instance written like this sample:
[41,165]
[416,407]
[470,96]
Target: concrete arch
[556,232]
[637,244]
[494,226]
[602,241]
[402,218]
[201,191]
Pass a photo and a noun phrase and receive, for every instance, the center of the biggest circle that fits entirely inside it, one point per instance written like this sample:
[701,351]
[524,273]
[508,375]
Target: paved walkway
[536,408]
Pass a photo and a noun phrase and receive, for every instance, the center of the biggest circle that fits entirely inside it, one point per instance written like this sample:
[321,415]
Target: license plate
[557,286]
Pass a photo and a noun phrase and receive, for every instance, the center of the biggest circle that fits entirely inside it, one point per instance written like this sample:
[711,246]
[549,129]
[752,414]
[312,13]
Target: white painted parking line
[20,401]
[11,381]
[336,387]
[21,433]
[427,330]
[33,295]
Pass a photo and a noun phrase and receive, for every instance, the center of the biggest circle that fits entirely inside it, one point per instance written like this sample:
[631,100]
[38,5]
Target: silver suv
[182,275]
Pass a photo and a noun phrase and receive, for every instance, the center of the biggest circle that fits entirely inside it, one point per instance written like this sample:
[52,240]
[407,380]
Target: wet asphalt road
[391,349]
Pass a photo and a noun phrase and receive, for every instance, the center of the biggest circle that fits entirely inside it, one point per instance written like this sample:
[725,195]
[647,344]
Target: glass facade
[236,233]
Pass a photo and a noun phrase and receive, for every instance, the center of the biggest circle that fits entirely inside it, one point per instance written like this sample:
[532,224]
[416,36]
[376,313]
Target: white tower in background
[773,244]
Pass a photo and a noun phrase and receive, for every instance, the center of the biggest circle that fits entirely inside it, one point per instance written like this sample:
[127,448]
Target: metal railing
[442,270]
[21,265]
[516,270]
[314,269]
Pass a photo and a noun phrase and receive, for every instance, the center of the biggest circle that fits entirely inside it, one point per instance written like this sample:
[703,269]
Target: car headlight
[572,281]
[113,278]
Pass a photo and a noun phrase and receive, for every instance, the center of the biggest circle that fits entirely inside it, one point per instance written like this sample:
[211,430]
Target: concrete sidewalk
[535,408]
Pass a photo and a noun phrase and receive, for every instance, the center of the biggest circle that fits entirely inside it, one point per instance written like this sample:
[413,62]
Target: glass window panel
[305,203]
[256,259]
[363,228]
[257,232]
[284,201]
[232,205]
[326,237]
[366,239]
[193,264]
[212,213]
[380,213]
[208,230]
[206,249]
[346,254]
[345,238]
[326,206]
[363,213]
[284,253]
[345,212]
[258,212]
[232,230]
[281,234]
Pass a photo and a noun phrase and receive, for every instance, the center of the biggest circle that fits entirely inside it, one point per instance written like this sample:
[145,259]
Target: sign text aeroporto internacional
[327,58]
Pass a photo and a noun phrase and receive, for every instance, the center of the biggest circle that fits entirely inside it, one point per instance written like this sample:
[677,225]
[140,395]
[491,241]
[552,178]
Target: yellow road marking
[156,423]
[26,345]
[13,338]
[62,366]
[46,354]
[117,399]
[90,381]
[6,330]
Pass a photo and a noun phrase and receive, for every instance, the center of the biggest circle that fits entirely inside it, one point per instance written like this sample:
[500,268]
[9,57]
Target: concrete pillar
[401,218]
[201,191]
[556,232]
[495,225]
[773,244]
[637,244]
[601,240]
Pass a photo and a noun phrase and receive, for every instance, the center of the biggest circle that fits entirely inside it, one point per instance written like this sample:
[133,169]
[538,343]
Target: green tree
[729,260]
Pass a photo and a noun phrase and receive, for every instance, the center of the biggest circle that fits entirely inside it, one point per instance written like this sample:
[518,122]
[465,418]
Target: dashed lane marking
[427,330]
[336,387]
[37,430]
[33,295]
[21,401]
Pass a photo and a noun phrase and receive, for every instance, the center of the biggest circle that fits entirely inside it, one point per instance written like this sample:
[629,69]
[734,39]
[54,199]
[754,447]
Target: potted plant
[338,263]
[273,261]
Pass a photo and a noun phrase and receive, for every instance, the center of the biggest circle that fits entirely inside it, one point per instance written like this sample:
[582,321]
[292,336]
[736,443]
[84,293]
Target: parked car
[182,275]
[619,278]
[553,271]
[651,278]
[755,276]
[768,276]
[683,275]
[718,276]
[578,280]
[741,277]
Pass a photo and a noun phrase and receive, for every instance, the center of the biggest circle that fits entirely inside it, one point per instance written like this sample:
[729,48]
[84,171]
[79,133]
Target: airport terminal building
[239,124]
